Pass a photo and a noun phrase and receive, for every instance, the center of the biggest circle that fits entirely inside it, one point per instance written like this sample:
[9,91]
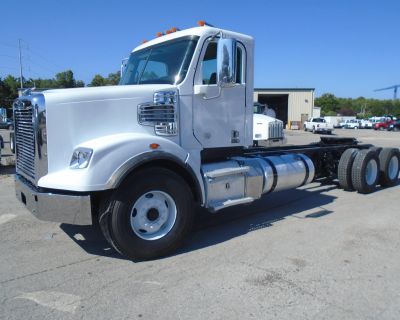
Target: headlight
[81,158]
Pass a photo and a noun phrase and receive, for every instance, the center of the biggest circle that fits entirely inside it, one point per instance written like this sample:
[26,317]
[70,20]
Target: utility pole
[20,64]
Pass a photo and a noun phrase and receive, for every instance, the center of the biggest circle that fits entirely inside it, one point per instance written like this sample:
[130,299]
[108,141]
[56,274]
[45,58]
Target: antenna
[20,64]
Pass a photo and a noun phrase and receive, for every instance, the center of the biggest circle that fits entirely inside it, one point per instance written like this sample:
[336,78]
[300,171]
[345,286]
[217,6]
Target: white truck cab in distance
[180,136]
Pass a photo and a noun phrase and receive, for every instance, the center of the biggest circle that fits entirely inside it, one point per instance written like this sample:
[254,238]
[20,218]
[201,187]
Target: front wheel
[149,215]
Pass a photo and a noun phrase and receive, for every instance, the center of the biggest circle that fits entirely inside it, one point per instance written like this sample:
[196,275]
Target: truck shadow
[264,213]
[211,229]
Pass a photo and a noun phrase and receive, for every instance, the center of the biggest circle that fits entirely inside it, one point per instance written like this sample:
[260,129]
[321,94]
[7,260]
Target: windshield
[165,63]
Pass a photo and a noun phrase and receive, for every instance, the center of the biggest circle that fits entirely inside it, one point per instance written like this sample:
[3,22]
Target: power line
[39,55]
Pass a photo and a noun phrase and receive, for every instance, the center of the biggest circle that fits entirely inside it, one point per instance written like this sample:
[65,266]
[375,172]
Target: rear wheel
[149,215]
[365,171]
[389,166]
[344,169]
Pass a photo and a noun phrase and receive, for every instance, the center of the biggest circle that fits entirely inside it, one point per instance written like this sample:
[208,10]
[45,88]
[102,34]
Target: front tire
[149,215]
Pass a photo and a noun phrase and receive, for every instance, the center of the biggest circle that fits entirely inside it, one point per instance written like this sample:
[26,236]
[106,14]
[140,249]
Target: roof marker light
[202,23]
[159,34]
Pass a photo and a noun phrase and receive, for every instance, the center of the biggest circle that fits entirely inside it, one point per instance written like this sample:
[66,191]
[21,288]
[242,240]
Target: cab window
[209,65]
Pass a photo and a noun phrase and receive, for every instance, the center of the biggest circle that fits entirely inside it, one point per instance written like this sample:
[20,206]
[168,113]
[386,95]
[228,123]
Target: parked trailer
[177,133]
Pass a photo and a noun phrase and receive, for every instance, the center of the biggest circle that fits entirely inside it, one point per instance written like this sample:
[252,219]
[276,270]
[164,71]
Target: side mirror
[226,62]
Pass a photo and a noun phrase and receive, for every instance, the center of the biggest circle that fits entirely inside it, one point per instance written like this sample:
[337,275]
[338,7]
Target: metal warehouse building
[290,104]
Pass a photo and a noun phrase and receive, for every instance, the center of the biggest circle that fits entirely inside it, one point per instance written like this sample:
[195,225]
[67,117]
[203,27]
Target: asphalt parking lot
[317,252]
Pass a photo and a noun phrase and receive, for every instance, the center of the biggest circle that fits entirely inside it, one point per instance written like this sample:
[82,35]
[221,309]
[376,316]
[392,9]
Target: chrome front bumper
[63,208]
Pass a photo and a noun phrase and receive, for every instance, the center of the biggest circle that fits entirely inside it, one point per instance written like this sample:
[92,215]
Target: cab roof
[197,31]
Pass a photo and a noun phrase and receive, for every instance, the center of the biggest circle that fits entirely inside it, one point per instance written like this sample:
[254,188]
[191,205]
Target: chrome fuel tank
[252,177]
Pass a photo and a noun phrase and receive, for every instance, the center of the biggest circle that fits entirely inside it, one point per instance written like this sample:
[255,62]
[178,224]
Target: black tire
[389,159]
[344,169]
[115,221]
[12,142]
[363,178]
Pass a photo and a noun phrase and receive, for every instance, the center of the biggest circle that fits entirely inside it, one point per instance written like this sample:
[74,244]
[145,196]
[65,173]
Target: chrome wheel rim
[371,172]
[393,168]
[153,215]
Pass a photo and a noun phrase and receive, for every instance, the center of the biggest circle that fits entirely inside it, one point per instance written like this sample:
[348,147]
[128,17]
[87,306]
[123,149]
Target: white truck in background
[181,136]
[318,125]
[266,128]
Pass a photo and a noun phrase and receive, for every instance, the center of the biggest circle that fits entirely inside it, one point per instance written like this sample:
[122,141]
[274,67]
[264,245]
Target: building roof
[284,89]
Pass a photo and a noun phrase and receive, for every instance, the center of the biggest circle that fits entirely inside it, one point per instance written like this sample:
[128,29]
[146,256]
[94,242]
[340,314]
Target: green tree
[98,81]
[113,78]
[66,79]
[327,102]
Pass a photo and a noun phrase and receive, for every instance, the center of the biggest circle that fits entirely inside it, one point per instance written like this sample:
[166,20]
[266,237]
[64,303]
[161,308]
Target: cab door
[218,113]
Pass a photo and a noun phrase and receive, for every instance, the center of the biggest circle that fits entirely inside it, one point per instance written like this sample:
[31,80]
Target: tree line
[9,85]
[329,103]
[360,107]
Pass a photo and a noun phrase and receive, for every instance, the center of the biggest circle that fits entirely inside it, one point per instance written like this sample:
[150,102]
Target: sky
[348,48]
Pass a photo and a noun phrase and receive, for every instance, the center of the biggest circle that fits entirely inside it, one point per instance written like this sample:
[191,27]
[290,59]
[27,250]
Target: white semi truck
[138,158]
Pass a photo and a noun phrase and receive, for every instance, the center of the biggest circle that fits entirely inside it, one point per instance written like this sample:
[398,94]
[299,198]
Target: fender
[115,156]
[158,158]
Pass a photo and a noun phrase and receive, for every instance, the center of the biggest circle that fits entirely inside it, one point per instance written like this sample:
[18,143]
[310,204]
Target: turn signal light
[154,146]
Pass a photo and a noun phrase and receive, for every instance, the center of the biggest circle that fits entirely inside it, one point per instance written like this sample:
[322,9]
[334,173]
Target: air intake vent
[162,117]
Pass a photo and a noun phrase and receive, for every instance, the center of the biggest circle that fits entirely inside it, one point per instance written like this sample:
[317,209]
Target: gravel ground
[317,252]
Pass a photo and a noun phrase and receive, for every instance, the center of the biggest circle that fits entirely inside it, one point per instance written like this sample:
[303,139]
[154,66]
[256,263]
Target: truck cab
[181,136]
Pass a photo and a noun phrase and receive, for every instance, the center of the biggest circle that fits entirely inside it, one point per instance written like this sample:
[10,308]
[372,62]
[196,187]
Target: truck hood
[74,116]
[264,118]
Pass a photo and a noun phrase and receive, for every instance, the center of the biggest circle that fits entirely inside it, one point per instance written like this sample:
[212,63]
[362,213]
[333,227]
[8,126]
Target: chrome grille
[275,130]
[25,141]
